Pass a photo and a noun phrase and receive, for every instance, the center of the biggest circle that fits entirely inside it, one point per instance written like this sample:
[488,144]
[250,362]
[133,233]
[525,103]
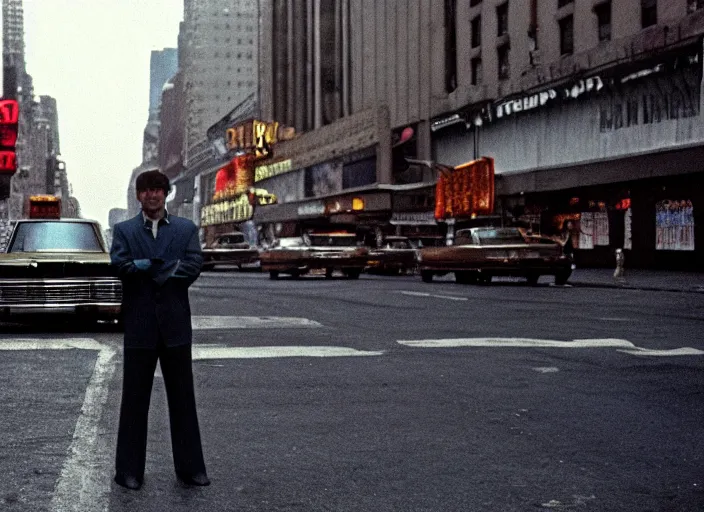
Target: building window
[504,70]
[567,35]
[603,20]
[648,12]
[472,3]
[476,31]
[562,3]
[476,71]
[502,19]
[450,45]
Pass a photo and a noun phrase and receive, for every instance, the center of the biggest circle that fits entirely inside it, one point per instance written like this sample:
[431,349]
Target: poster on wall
[627,230]
[586,230]
[601,228]
[674,225]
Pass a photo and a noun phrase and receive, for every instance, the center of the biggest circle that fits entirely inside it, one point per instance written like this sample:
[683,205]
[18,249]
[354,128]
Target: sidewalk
[652,280]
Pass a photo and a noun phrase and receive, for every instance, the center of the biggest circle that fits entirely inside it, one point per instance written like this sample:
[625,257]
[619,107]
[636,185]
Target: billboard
[466,190]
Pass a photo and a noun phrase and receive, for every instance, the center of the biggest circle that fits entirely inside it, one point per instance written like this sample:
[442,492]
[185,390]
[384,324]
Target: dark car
[478,254]
[59,266]
[324,252]
[229,249]
[395,255]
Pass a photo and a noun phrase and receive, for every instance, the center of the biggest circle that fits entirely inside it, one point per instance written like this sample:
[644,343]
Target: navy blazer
[155,290]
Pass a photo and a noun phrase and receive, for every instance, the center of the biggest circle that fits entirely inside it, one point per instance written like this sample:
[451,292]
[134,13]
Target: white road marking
[626,346]
[205,353]
[83,485]
[46,344]
[251,322]
[684,351]
[546,369]
[421,294]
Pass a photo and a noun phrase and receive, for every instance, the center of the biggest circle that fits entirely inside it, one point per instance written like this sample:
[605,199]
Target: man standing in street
[158,257]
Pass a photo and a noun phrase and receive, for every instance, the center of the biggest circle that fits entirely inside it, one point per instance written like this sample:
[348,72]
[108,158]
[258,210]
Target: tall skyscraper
[219,57]
[13,34]
[163,66]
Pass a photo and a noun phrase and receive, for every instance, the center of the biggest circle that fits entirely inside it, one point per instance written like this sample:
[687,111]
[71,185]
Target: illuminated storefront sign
[257,137]
[467,190]
[270,170]
[235,178]
[238,210]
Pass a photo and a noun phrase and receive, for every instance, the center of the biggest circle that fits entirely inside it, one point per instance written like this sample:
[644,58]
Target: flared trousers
[138,378]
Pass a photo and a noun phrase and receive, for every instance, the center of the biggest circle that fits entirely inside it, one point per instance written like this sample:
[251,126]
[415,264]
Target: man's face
[152,199]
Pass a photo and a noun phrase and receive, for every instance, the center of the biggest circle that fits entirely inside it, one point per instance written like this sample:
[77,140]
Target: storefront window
[674,225]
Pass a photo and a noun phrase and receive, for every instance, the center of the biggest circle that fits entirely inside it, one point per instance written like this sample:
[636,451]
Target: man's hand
[143,265]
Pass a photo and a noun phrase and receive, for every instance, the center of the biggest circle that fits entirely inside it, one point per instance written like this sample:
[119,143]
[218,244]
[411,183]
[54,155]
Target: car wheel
[533,279]
[207,268]
[295,274]
[353,274]
[484,279]
[426,276]
[273,274]
[328,273]
[461,277]
[561,278]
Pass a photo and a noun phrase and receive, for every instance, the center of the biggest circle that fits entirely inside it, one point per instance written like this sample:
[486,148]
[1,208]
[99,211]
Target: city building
[219,55]
[217,85]
[590,109]
[592,112]
[40,170]
[354,78]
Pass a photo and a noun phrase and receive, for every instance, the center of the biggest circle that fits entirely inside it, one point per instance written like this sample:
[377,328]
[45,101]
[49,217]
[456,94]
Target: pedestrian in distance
[157,256]
[567,243]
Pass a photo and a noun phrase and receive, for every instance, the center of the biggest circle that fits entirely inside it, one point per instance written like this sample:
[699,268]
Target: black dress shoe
[128,481]
[197,479]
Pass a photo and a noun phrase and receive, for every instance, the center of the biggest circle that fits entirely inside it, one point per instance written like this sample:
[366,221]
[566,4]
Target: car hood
[55,265]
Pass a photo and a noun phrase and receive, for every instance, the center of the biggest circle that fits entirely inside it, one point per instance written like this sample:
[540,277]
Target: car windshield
[289,242]
[55,237]
[333,241]
[498,236]
[396,244]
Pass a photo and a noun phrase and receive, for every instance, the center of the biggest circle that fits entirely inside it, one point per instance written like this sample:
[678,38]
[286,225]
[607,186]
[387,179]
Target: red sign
[466,190]
[9,116]
[8,162]
[9,112]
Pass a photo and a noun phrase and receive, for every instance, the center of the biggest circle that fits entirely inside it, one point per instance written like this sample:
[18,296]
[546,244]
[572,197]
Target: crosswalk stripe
[251,322]
[205,353]
[624,346]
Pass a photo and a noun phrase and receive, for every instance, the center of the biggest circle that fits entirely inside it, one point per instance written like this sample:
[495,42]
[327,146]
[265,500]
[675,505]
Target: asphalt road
[382,394]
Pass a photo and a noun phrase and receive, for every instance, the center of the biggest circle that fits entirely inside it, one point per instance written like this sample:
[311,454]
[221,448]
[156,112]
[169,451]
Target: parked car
[229,249]
[421,241]
[395,255]
[59,266]
[478,254]
[317,251]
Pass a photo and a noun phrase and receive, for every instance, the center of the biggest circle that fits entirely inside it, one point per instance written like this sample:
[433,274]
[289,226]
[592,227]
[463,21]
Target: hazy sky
[93,57]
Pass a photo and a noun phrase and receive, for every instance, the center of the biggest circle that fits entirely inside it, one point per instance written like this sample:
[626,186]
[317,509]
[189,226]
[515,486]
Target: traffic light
[9,117]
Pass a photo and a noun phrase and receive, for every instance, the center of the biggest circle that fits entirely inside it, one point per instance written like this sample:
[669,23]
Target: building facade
[40,170]
[592,112]
[354,78]
[219,60]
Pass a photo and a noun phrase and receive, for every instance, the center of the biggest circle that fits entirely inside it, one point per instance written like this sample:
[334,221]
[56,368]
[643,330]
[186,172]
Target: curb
[625,286]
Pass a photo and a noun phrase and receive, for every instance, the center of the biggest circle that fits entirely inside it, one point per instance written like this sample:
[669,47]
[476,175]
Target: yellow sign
[238,210]
[270,170]
[256,136]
